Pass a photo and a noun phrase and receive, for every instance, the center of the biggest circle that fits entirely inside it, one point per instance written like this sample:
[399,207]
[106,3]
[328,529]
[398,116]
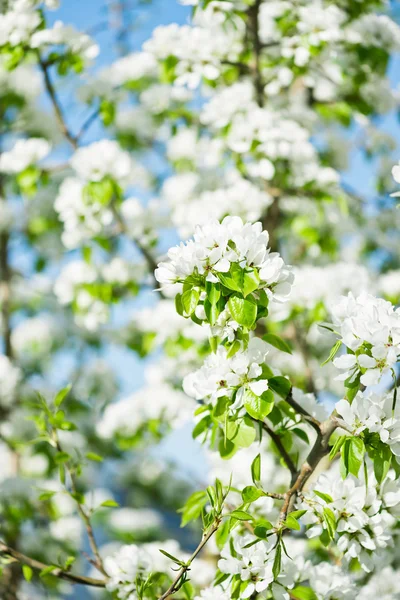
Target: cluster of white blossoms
[73,41]
[373,412]
[23,154]
[88,288]
[34,339]
[10,377]
[370,328]
[107,158]
[199,50]
[87,212]
[131,565]
[216,246]
[193,205]
[222,376]
[363,517]
[129,415]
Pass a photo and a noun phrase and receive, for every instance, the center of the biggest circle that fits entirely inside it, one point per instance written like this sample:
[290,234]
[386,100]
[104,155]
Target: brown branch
[57,572]
[281,448]
[98,562]
[56,103]
[304,414]
[174,587]
[316,454]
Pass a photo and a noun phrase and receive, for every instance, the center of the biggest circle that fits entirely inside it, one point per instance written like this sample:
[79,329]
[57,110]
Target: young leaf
[251,493]
[276,568]
[61,395]
[241,515]
[258,407]
[94,457]
[243,310]
[301,592]
[280,385]
[333,352]
[109,504]
[256,469]
[27,572]
[190,300]
[330,522]
[277,342]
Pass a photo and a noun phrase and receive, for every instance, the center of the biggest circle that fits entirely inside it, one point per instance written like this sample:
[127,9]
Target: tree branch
[304,414]
[56,103]
[58,572]
[174,587]
[282,450]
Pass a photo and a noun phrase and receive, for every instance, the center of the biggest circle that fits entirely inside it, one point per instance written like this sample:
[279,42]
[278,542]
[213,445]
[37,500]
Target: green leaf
[292,523]
[171,557]
[301,592]
[193,507]
[256,469]
[262,527]
[243,310]
[277,342]
[330,522]
[109,504]
[245,433]
[353,451]
[250,493]
[61,395]
[241,515]
[333,352]
[27,572]
[258,407]
[48,570]
[233,279]
[178,305]
[337,446]
[251,281]
[213,291]
[382,460]
[276,568]
[94,457]
[280,385]
[325,497]
[212,312]
[190,300]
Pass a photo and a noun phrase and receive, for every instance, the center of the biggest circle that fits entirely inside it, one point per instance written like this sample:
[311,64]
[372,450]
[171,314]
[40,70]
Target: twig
[98,563]
[305,415]
[57,572]
[56,103]
[282,450]
[174,587]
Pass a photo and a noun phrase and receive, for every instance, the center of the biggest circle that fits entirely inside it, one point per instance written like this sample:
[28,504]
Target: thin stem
[56,103]
[281,448]
[174,587]
[304,414]
[98,563]
[58,572]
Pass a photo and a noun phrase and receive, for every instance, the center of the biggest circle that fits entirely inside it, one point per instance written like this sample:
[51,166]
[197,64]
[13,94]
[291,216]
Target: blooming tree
[273,328]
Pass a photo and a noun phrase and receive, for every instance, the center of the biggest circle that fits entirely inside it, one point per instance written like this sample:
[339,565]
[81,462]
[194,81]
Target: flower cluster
[218,251]
[125,418]
[370,328]
[375,413]
[233,377]
[360,517]
[24,154]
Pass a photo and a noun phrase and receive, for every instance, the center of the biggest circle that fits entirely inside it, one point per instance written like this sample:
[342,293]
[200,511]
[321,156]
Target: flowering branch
[177,582]
[55,572]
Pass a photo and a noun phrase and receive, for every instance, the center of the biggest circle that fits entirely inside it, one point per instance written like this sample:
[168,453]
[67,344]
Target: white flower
[23,154]
[152,403]
[213,593]
[10,377]
[66,35]
[370,328]
[221,376]
[216,245]
[106,158]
